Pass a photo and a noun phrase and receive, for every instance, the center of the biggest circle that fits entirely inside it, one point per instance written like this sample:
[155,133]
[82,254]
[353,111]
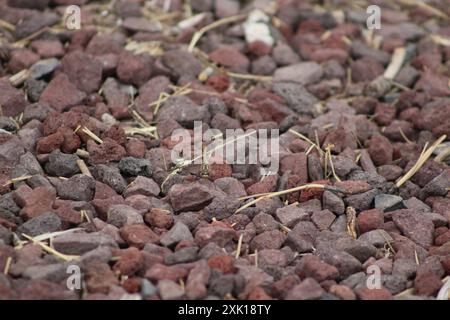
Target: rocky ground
[86,177]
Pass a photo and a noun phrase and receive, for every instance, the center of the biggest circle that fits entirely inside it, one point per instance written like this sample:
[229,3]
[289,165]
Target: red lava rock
[322,55]
[230,58]
[217,171]
[427,284]
[380,150]
[83,70]
[446,264]
[323,219]
[130,262]
[373,294]
[370,220]
[418,227]
[159,218]
[188,197]
[312,267]
[11,99]
[268,184]
[135,148]
[162,272]
[433,84]
[258,293]
[50,143]
[343,292]
[197,280]
[443,238]
[132,285]
[101,44]
[80,243]
[22,59]
[353,186]
[308,289]
[61,94]
[273,239]
[138,235]
[303,73]
[134,69]
[217,234]
[99,278]
[218,82]
[48,48]
[45,290]
[384,114]
[142,185]
[108,151]
[366,69]
[223,263]
[37,202]
[312,193]
[71,141]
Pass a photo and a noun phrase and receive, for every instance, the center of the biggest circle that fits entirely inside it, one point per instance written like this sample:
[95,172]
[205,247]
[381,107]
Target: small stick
[83,167]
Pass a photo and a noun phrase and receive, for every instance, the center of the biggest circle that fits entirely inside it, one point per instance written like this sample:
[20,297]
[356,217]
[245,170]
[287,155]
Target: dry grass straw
[329,159]
[164,96]
[19,78]
[389,244]
[18,179]
[427,7]
[85,216]
[6,25]
[92,135]
[304,138]
[83,167]
[351,222]
[50,250]
[198,35]
[147,131]
[287,191]
[153,48]
[444,292]
[426,153]
[404,136]
[82,153]
[241,76]
[397,59]
[239,246]
[443,41]
[7,265]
